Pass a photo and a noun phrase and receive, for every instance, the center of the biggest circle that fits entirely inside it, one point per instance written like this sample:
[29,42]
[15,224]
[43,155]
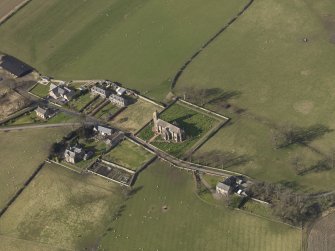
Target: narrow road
[182,163]
[34,126]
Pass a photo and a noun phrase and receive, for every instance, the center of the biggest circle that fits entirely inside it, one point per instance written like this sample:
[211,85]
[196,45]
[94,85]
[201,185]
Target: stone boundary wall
[13,11]
[17,114]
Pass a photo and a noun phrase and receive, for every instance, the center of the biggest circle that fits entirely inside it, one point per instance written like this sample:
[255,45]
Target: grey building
[168,131]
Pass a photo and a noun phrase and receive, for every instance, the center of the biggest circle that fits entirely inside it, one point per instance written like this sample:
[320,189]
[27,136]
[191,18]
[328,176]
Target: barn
[14,66]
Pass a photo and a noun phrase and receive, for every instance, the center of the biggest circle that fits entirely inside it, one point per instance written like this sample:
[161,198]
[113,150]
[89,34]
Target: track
[205,45]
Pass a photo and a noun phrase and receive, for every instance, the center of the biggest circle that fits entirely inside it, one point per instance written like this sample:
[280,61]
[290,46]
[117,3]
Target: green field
[128,155]
[279,80]
[21,153]
[40,90]
[195,124]
[141,43]
[188,223]
[62,209]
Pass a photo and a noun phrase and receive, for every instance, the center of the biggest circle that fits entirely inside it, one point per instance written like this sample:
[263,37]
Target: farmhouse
[103,130]
[96,90]
[14,66]
[168,131]
[76,154]
[117,100]
[61,93]
[226,187]
[43,113]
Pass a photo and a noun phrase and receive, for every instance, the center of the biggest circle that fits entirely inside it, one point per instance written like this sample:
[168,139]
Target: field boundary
[17,114]
[17,194]
[206,44]
[13,11]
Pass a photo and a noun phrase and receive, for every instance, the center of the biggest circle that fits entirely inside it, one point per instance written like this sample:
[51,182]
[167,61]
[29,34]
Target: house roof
[168,125]
[73,151]
[120,91]
[223,186]
[15,66]
[105,130]
[99,90]
[41,110]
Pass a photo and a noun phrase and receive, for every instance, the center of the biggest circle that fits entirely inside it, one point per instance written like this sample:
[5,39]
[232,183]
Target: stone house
[103,130]
[168,131]
[75,154]
[44,113]
[118,100]
[96,90]
[61,93]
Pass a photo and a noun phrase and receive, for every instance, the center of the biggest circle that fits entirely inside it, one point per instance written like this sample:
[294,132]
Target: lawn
[137,42]
[21,153]
[128,155]
[105,112]
[195,124]
[278,80]
[135,116]
[40,90]
[62,209]
[171,217]
[81,102]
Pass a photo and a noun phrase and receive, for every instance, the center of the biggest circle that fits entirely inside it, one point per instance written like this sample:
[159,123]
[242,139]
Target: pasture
[71,211]
[135,116]
[21,154]
[128,155]
[194,122]
[269,71]
[139,43]
[171,217]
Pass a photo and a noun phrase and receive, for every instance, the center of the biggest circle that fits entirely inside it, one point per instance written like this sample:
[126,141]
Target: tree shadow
[299,135]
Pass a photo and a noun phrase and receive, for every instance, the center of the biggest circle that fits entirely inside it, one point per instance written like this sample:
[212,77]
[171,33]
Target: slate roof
[15,66]
[105,130]
[42,110]
[113,97]
[223,186]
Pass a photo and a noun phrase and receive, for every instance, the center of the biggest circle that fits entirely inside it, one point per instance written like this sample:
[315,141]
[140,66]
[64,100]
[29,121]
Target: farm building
[232,184]
[103,130]
[168,131]
[61,93]
[120,91]
[117,100]
[14,66]
[96,90]
[43,113]
[223,189]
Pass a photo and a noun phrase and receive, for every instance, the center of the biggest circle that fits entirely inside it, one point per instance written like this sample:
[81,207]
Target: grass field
[188,223]
[193,122]
[278,79]
[21,154]
[135,116]
[40,90]
[141,43]
[129,155]
[71,211]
